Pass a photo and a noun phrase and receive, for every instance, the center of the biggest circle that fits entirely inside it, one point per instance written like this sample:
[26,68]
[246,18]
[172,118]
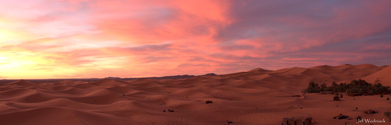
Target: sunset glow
[141,38]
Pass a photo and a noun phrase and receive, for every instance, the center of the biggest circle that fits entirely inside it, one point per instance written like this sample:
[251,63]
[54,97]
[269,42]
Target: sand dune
[22,83]
[35,97]
[259,97]
[55,115]
[382,76]
[110,83]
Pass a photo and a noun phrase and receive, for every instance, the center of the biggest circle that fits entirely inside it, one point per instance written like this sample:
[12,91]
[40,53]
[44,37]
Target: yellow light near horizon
[24,65]
[2,59]
[7,35]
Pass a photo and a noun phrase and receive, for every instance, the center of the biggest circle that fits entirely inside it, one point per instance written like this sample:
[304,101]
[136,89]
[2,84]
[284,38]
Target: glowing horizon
[44,39]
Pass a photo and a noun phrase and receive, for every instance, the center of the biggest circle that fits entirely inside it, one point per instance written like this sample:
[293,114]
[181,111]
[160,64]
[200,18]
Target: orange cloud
[138,38]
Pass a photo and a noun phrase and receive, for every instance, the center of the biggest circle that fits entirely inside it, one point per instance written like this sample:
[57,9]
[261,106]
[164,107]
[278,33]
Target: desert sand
[256,97]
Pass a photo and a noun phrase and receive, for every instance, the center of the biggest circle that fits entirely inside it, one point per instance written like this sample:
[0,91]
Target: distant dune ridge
[383,76]
[257,96]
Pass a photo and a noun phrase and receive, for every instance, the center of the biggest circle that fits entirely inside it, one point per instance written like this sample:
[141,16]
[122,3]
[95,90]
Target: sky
[47,39]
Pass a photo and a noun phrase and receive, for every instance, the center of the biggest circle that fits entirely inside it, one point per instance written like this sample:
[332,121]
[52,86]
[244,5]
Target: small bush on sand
[387,113]
[358,118]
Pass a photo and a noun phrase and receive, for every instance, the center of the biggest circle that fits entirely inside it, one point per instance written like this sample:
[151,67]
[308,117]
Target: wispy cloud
[91,38]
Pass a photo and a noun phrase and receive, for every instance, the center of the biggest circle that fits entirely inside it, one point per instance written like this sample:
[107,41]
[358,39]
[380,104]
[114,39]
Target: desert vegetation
[354,87]
[387,114]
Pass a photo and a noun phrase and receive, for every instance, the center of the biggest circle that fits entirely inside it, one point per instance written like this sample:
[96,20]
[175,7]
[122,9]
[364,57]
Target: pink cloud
[143,23]
[170,37]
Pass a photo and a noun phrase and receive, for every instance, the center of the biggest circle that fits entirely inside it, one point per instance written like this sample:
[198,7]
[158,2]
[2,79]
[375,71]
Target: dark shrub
[358,118]
[387,113]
